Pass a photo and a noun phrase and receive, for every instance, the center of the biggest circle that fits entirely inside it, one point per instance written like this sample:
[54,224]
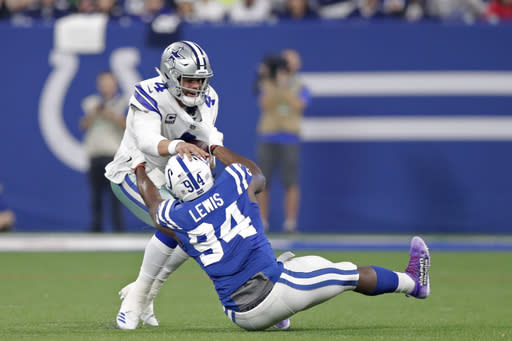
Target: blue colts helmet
[185,59]
[188,180]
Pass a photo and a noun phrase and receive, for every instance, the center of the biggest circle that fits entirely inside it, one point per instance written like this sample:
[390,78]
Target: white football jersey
[154,114]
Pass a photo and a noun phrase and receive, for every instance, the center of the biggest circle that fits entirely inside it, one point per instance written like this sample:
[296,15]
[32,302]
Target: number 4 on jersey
[159,87]
[242,225]
[235,224]
[209,101]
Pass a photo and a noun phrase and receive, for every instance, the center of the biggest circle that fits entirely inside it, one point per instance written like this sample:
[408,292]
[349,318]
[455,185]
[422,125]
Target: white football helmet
[188,180]
[185,59]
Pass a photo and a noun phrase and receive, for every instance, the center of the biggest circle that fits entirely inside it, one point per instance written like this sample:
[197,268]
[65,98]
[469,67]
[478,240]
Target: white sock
[174,261]
[405,283]
[156,256]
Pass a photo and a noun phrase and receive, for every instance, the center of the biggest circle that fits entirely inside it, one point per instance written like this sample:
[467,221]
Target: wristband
[171,148]
[142,164]
[212,148]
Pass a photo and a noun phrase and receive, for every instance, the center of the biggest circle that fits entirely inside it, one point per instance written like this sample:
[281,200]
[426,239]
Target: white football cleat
[148,316]
[128,320]
[124,291]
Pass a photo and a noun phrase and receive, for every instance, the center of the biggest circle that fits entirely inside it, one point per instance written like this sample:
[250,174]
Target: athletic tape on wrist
[172,146]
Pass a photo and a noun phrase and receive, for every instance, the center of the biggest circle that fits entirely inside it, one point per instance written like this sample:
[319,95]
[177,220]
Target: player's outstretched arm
[227,157]
[151,197]
[168,147]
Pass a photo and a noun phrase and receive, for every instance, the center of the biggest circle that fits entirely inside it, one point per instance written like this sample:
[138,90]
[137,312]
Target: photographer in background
[104,122]
[282,102]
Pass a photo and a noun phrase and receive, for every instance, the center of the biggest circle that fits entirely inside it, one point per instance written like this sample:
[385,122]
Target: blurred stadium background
[409,130]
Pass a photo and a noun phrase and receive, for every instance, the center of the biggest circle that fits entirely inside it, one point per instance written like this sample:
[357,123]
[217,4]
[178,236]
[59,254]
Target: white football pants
[304,283]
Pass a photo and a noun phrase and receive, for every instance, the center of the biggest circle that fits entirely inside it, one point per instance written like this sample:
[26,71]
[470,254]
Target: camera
[269,68]
[273,64]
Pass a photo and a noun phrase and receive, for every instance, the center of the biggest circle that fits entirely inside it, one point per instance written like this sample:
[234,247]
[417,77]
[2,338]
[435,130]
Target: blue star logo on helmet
[176,54]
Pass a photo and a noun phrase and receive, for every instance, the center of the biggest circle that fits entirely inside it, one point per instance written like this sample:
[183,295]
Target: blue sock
[170,242]
[387,281]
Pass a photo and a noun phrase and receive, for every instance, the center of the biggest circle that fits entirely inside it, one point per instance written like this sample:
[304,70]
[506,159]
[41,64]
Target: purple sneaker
[419,264]
[284,324]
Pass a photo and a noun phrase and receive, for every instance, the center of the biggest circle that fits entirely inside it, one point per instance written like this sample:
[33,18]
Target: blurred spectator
[415,10]
[466,10]
[17,6]
[278,6]
[86,6]
[20,11]
[46,9]
[133,7]
[110,8]
[333,9]
[296,9]
[7,217]
[412,10]
[4,11]
[104,124]
[153,9]
[250,11]
[394,8]
[379,8]
[368,8]
[52,9]
[186,10]
[282,102]
[210,10]
[499,9]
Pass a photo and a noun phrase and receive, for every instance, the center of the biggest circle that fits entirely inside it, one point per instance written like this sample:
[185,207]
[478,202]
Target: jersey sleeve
[163,214]
[240,175]
[212,103]
[147,131]
[143,100]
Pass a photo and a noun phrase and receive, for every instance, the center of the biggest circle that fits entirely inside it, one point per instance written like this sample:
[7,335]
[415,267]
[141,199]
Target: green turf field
[73,296]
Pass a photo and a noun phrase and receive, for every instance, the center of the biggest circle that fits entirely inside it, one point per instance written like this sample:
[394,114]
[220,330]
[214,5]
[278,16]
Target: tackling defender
[165,112]
[218,223]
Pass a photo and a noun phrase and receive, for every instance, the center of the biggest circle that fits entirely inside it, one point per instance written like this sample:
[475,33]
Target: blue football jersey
[222,230]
